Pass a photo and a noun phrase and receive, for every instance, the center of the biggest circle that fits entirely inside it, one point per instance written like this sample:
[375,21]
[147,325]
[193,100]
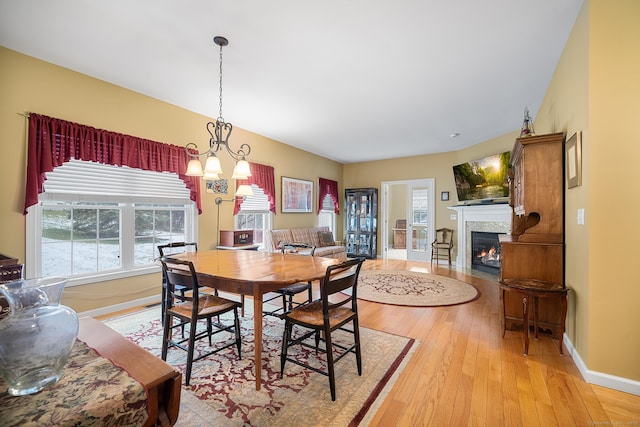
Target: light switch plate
[581,216]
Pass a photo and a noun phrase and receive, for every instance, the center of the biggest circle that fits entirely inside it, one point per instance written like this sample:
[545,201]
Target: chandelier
[220,132]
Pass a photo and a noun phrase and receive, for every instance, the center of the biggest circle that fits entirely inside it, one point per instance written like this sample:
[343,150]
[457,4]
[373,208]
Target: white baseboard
[598,378]
[123,306]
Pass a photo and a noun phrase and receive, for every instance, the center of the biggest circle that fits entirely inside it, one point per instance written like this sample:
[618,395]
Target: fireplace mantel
[493,213]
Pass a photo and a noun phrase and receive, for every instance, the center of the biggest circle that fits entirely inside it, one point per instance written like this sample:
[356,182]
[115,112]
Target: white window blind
[327,216]
[259,202]
[327,203]
[88,178]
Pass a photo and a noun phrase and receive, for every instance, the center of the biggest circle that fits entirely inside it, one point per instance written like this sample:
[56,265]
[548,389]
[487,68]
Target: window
[327,215]
[420,206]
[99,222]
[254,215]
[156,225]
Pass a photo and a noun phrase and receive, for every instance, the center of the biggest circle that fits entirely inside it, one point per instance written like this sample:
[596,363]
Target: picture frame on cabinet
[573,150]
[297,195]
[444,196]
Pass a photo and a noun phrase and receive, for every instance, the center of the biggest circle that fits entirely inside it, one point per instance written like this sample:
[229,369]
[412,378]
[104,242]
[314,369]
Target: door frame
[384,214]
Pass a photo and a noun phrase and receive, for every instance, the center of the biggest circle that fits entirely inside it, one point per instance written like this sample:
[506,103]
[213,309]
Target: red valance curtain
[53,142]
[263,177]
[328,187]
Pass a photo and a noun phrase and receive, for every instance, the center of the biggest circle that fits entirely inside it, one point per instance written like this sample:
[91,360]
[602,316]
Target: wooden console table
[533,290]
[108,380]
[162,381]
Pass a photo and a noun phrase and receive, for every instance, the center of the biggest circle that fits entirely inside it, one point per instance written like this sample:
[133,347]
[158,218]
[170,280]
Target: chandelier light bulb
[213,165]
[194,168]
[241,170]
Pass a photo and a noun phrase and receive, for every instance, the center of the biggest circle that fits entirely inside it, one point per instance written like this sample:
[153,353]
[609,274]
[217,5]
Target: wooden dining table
[255,273]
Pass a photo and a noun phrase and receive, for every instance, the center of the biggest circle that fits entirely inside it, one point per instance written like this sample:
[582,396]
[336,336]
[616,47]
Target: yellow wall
[614,150]
[30,85]
[565,109]
[397,208]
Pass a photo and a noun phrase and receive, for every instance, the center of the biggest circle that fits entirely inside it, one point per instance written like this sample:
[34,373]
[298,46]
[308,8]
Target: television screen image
[483,180]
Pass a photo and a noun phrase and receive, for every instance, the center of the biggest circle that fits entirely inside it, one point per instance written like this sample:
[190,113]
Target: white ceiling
[351,80]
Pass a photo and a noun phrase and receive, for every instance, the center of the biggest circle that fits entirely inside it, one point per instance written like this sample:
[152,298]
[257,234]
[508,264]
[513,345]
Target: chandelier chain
[220,112]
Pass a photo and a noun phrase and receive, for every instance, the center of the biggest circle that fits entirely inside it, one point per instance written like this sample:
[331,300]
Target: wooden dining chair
[442,246]
[170,249]
[331,312]
[191,308]
[289,292]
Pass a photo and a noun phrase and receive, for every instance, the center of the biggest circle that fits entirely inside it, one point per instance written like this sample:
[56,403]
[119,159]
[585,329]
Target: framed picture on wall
[297,195]
[218,186]
[573,150]
[444,196]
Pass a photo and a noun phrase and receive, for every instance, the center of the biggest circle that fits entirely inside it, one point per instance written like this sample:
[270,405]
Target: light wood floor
[463,373]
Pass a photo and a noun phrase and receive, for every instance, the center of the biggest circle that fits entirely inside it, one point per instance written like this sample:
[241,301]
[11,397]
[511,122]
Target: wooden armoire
[535,248]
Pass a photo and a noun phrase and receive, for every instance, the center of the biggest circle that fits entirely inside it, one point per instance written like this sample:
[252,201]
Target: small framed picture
[573,149]
[444,196]
[218,186]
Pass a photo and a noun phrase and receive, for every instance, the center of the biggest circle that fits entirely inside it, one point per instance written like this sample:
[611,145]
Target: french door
[412,200]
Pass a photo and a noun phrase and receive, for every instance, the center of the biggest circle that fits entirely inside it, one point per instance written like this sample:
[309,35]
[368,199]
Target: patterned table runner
[93,392]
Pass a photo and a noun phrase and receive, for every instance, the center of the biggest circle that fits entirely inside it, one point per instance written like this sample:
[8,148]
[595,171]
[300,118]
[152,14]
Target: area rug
[222,388]
[413,288]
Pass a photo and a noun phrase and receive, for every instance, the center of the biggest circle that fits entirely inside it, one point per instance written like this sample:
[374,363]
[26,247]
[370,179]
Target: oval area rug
[413,288]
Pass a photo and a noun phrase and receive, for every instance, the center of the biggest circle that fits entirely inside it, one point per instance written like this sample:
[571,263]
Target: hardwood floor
[463,373]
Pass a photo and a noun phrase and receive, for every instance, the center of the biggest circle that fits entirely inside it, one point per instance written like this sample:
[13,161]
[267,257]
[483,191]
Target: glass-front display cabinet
[361,221]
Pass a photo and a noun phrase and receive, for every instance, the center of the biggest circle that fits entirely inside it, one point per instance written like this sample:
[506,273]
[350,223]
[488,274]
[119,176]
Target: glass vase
[37,336]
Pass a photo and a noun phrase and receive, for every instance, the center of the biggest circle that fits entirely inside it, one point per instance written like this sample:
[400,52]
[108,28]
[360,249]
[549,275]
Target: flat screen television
[484,180]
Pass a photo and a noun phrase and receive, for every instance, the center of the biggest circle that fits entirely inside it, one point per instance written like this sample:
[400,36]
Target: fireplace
[485,251]
[494,218]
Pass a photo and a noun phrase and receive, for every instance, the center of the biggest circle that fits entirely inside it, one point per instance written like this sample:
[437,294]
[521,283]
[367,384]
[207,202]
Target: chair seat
[290,291]
[208,305]
[441,245]
[311,314]
[293,289]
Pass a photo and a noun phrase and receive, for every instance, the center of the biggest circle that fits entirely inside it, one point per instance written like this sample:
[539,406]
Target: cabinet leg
[535,317]
[503,322]
[563,320]
[525,318]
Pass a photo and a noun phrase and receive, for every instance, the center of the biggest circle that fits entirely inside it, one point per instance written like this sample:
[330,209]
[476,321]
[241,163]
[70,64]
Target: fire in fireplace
[485,251]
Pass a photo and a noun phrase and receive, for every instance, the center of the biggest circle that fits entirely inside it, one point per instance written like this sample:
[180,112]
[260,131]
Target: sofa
[320,237]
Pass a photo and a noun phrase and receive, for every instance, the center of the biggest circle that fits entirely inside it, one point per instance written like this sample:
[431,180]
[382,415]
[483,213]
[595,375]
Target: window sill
[116,275]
